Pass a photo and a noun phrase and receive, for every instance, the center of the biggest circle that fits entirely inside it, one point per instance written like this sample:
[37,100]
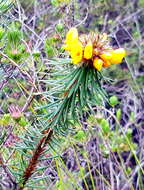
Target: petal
[106,56]
[75,61]
[88,51]
[106,63]
[117,56]
[98,63]
[72,36]
[66,47]
[76,52]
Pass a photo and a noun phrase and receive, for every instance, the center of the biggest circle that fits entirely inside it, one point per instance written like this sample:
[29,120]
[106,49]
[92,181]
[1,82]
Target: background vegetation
[104,150]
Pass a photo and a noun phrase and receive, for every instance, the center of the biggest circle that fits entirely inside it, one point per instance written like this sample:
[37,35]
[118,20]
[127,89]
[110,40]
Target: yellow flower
[67,47]
[76,52]
[106,56]
[88,51]
[72,36]
[98,63]
[106,63]
[92,48]
[117,56]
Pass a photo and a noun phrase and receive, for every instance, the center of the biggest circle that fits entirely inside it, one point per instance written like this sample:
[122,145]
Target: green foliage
[113,101]
[5,5]
[141,3]
[4,121]
[49,47]
[14,36]
[117,141]
[59,27]
[71,91]
[2,32]
[54,2]
[80,135]
[77,89]
[11,41]
[105,126]
[7,119]
[118,114]
[113,140]
[58,2]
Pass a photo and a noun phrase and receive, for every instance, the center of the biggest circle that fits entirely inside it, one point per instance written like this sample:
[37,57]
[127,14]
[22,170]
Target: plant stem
[35,158]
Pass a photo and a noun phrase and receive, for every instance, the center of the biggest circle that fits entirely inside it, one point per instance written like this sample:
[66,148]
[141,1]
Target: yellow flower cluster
[92,49]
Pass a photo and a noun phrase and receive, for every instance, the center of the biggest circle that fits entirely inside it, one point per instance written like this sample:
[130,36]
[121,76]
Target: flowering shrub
[63,122]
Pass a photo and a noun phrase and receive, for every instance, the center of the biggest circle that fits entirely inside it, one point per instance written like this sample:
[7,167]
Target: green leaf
[118,114]
[113,101]
[80,135]
[105,126]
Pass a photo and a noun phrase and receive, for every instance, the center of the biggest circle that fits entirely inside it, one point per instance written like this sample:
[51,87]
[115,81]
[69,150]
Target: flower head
[88,50]
[71,39]
[76,52]
[117,56]
[98,63]
[92,49]
[72,36]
